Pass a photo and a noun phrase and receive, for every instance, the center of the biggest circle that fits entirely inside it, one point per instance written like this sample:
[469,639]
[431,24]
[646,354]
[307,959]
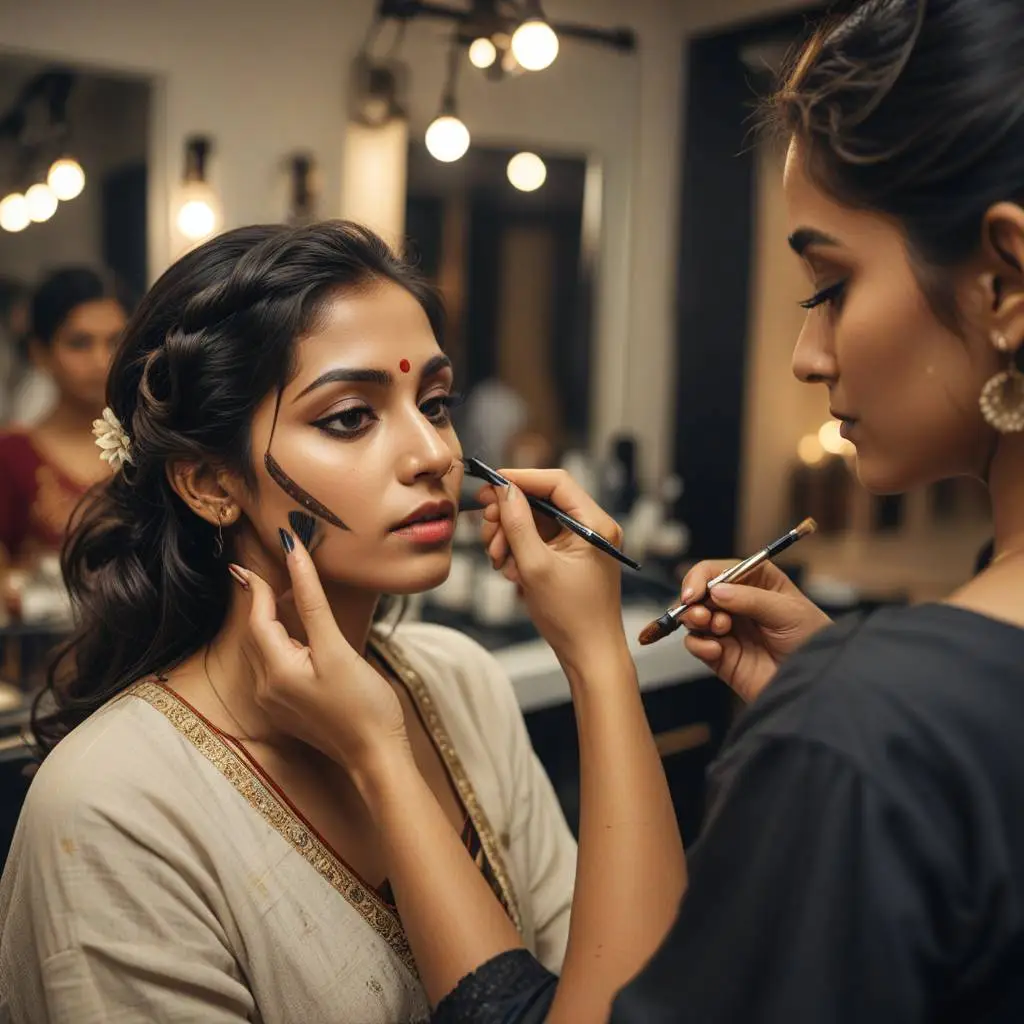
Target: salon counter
[539,682]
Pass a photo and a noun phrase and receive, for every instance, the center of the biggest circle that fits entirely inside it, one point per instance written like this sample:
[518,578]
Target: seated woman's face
[364,428]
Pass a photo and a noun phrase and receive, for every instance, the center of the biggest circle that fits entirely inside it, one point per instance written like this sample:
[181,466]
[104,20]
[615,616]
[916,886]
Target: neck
[1006,491]
[228,662]
[72,416]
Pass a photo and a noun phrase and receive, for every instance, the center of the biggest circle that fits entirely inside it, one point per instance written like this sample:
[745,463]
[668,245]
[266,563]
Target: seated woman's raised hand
[572,590]
[322,692]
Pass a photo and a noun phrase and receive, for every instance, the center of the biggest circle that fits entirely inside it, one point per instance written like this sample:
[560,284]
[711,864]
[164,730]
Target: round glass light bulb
[527,172]
[66,178]
[14,214]
[482,53]
[447,139]
[535,44]
[42,203]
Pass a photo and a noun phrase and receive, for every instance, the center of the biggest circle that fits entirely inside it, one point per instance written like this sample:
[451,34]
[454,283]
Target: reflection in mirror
[505,236]
[98,121]
[73,183]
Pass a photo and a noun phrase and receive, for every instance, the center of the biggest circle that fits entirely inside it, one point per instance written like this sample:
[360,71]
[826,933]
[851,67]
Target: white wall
[264,79]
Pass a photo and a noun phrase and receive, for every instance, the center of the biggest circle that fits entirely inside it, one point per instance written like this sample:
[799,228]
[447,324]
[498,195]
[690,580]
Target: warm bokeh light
[535,44]
[42,203]
[527,172]
[447,139]
[832,441]
[809,450]
[482,53]
[66,178]
[196,219]
[14,215]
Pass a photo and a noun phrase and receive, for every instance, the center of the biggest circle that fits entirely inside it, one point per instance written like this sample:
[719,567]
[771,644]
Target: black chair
[18,759]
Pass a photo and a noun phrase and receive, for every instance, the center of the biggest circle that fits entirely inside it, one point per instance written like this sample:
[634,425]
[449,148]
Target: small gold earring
[1002,398]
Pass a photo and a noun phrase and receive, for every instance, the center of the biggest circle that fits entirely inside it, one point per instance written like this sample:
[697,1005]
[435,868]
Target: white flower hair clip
[112,440]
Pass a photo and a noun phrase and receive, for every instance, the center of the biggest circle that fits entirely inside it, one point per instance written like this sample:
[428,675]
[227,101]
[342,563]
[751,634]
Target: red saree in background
[36,500]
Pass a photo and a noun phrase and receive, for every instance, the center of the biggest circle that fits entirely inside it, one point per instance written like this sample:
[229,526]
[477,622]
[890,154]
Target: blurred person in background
[75,320]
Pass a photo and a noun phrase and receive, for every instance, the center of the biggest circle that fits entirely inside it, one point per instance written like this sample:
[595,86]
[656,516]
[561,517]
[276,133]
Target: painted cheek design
[404,366]
[298,495]
[303,526]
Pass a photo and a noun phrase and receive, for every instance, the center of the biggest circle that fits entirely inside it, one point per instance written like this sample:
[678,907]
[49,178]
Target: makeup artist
[863,855]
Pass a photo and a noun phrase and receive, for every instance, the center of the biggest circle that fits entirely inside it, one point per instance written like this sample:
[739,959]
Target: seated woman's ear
[206,490]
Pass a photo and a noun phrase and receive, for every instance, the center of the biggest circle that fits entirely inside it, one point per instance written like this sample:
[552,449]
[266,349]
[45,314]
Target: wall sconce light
[376,91]
[447,137]
[534,42]
[303,192]
[197,215]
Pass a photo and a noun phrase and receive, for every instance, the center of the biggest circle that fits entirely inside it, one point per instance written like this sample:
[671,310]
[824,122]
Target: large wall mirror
[510,238]
[89,119]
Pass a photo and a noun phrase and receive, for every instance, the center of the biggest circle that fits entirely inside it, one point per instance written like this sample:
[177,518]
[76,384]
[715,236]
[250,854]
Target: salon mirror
[91,208]
[505,234]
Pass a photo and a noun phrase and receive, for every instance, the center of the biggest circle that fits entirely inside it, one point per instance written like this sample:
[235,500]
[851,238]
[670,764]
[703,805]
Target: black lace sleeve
[513,988]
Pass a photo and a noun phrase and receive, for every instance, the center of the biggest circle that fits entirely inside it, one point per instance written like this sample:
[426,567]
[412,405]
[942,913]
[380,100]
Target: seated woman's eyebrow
[367,375]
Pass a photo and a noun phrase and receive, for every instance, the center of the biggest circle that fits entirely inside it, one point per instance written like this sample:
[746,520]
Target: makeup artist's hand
[747,629]
[322,692]
[571,589]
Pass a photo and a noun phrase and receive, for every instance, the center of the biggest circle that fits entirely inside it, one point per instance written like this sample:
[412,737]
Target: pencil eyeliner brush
[474,467]
[671,620]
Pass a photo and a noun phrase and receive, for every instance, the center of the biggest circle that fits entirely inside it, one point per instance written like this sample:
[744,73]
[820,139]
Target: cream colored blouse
[155,877]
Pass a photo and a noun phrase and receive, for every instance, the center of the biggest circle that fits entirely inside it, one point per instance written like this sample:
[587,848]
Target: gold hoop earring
[1002,398]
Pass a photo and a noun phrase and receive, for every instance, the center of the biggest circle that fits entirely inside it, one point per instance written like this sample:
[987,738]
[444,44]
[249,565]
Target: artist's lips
[431,523]
[846,423]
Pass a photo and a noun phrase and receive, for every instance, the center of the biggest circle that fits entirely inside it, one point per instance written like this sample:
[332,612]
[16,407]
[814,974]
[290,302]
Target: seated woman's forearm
[631,871]
[453,927]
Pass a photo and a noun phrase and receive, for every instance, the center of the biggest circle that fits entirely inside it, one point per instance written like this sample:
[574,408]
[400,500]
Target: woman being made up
[863,854]
[179,856]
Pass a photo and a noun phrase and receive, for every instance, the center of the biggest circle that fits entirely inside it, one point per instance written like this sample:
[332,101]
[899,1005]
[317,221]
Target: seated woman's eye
[438,409]
[347,422]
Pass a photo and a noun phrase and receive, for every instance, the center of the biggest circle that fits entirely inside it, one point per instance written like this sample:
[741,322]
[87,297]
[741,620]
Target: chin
[418,575]
[884,476]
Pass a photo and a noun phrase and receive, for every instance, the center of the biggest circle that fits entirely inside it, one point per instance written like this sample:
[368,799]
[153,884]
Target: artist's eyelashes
[832,295]
[355,420]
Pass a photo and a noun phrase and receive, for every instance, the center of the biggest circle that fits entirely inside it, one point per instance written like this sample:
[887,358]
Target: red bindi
[404,366]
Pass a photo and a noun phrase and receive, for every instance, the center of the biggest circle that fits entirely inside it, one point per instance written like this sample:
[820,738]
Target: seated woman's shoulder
[121,755]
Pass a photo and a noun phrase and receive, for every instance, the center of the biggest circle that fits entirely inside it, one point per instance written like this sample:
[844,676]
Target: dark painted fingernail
[303,524]
[239,576]
[287,541]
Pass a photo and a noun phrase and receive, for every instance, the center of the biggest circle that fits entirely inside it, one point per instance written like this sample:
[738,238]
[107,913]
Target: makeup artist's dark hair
[915,108]
[209,342]
[64,290]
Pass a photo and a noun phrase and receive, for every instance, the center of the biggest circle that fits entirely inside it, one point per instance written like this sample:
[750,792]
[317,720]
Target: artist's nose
[814,360]
[427,453]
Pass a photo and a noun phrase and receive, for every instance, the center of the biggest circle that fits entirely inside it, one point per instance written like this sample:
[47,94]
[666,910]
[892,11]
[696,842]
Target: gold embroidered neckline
[287,823]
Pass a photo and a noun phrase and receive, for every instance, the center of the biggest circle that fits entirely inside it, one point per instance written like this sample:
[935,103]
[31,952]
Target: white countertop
[539,682]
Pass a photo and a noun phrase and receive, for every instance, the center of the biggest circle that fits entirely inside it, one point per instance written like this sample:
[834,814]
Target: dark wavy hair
[212,338]
[915,109]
